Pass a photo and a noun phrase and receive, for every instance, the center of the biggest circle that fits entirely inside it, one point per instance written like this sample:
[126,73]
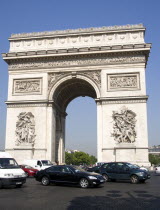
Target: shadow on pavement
[115,200]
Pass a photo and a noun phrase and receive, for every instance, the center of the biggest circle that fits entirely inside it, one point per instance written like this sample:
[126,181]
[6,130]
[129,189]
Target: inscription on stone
[123,82]
[27,86]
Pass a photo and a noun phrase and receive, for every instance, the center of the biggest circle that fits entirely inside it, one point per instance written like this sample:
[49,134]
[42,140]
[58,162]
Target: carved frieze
[54,77]
[124,123]
[27,86]
[123,82]
[25,129]
[94,75]
[77,61]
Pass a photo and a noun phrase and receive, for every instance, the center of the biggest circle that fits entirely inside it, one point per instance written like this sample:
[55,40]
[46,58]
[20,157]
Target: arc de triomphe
[47,70]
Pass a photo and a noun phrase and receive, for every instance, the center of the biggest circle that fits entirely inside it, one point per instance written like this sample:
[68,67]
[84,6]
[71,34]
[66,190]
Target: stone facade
[47,70]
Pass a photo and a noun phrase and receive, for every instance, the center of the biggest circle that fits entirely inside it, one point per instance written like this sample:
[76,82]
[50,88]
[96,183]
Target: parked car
[123,171]
[69,175]
[38,164]
[10,172]
[95,169]
[157,169]
[29,171]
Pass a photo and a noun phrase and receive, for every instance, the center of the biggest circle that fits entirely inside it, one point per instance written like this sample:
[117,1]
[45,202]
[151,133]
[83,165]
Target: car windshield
[132,166]
[8,163]
[78,168]
[46,163]
[28,167]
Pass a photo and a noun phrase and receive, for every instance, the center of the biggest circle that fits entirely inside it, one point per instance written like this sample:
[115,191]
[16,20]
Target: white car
[157,169]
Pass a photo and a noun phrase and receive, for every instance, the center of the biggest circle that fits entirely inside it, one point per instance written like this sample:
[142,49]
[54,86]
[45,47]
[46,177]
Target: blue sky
[20,16]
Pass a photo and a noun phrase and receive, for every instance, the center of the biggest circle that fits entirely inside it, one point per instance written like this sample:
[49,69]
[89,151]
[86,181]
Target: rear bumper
[12,181]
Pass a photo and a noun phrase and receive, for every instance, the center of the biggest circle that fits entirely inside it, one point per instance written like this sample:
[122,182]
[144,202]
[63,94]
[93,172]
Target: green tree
[154,159]
[78,158]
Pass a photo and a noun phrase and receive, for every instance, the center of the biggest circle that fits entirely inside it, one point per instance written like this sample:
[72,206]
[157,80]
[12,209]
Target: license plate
[18,182]
[101,180]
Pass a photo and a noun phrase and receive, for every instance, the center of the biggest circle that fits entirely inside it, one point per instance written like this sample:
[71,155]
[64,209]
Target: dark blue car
[123,171]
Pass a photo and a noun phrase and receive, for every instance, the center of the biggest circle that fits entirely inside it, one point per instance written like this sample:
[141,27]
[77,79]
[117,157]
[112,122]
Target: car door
[111,170]
[123,171]
[54,173]
[66,175]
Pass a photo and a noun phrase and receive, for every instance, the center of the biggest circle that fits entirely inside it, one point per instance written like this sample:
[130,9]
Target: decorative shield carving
[25,129]
[124,126]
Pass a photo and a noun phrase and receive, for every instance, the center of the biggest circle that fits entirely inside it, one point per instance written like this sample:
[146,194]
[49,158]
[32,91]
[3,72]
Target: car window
[54,169]
[39,163]
[111,166]
[105,165]
[65,169]
[120,166]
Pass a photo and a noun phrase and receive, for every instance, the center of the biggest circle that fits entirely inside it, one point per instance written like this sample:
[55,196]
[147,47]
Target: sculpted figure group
[124,126]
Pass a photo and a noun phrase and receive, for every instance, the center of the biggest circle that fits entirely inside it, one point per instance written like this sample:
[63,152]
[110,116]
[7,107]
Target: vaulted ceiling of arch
[71,89]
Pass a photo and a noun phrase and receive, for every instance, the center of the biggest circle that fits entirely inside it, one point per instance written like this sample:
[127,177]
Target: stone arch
[72,77]
[62,93]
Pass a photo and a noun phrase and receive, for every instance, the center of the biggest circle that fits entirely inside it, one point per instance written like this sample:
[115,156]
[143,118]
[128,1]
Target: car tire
[84,183]
[134,179]
[45,181]
[18,185]
[106,177]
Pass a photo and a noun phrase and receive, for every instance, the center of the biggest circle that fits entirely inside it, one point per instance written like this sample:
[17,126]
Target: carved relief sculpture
[25,129]
[124,126]
[28,86]
[54,77]
[123,82]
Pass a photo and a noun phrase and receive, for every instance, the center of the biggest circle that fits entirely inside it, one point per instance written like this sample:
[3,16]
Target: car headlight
[24,175]
[140,173]
[92,177]
[9,175]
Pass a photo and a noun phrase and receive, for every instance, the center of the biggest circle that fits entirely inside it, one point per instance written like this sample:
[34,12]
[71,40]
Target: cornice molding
[78,60]
[77,31]
[77,51]
[122,100]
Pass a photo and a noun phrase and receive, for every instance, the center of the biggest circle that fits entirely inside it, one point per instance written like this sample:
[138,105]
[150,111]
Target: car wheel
[84,183]
[45,181]
[134,179]
[19,185]
[105,176]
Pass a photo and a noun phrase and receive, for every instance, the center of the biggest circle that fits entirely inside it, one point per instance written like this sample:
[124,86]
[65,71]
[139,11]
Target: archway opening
[81,126]
[63,95]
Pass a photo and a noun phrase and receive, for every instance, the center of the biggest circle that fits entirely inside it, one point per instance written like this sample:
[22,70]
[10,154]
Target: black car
[123,171]
[95,169]
[69,175]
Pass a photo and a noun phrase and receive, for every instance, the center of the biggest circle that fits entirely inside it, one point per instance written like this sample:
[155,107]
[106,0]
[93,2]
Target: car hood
[88,173]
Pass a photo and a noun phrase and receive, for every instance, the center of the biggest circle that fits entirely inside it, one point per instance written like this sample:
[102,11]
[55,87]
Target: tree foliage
[154,159]
[79,158]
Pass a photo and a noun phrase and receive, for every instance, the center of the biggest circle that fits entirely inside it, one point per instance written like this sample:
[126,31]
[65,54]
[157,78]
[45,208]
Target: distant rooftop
[80,30]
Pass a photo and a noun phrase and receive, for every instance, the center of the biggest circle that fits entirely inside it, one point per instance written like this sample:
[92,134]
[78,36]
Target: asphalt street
[112,195]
